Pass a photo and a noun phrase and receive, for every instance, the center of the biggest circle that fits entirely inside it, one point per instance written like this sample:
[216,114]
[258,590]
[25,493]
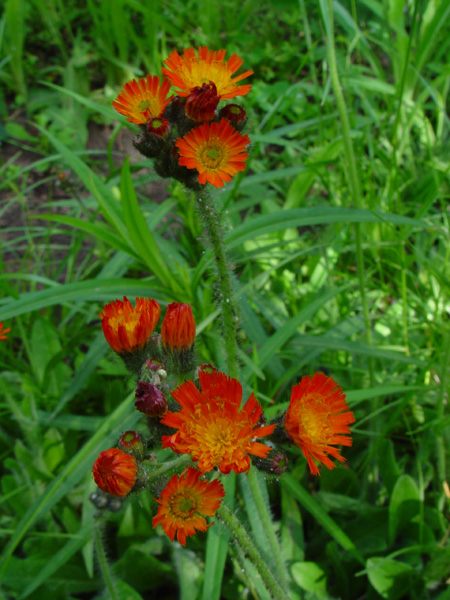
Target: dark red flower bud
[158,126]
[178,328]
[202,102]
[153,364]
[115,472]
[279,462]
[235,114]
[150,400]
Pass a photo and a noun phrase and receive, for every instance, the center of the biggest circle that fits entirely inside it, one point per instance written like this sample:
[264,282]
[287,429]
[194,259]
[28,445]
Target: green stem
[248,546]
[352,170]
[104,565]
[229,313]
[169,466]
[267,525]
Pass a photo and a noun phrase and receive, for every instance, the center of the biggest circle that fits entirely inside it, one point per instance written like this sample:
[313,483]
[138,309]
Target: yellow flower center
[144,105]
[130,321]
[315,423]
[212,155]
[183,505]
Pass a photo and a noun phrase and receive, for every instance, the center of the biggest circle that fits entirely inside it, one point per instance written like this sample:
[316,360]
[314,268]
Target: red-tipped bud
[115,472]
[150,400]
[178,328]
[206,368]
[131,443]
[235,114]
[158,126]
[202,102]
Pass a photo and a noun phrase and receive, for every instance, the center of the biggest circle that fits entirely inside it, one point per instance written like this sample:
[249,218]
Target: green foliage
[82,225]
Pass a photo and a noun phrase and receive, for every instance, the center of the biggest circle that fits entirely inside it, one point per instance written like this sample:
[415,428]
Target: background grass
[375,527]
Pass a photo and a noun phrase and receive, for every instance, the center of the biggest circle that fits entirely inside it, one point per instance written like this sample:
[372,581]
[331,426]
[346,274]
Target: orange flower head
[185,502]
[189,71]
[178,327]
[115,472]
[213,427]
[4,330]
[216,150]
[317,419]
[143,99]
[127,328]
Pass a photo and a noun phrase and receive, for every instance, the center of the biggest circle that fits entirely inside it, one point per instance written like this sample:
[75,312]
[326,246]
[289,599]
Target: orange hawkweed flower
[140,100]
[127,328]
[213,427]
[216,150]
[317,419]
[3,331]
[115,472]
[178,327]
[190,71]
[183,502]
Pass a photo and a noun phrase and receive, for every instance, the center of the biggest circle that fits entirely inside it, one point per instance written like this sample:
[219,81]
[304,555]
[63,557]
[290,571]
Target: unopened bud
[131,442]
[150,400]
[235,114]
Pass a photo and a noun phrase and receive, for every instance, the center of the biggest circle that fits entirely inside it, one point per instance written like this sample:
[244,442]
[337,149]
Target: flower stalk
[248,546]
[230,319]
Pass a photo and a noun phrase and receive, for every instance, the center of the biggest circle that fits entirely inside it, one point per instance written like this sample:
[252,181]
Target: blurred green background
[376,527]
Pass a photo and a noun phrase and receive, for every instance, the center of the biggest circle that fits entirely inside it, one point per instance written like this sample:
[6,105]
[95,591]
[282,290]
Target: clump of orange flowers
[187,136]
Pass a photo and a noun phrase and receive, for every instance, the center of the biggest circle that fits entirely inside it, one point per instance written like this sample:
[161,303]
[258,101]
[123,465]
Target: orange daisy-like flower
[143,99]
[216,150]
[183,502]
[127,328]
[213,427]
[115,472]
[4,330]
[190,71]
[317,419]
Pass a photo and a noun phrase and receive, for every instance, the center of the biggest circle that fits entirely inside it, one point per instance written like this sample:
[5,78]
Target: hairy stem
[104,565]
[248,546]
[229,313]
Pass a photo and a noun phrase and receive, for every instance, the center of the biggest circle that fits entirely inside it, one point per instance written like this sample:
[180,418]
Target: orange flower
[127,328]
[317,418]
[213,427]
[178,327]
[190,71]
[184,501]
[3,331]
[216,150]
[140,100]
[115,472]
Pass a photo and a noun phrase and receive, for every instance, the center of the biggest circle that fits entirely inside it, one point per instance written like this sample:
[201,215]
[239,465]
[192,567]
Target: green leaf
[390,578]
[317,511]
[404,505]
[139,233]
[99,230]
[317,215]
[311,578]
[80,465]
[101,290]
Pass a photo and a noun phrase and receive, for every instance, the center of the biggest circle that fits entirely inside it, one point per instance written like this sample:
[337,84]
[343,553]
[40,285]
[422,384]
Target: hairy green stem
[267,525]
[248,546]
[352,170]
[229,313]
[104,565]
[184,459]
